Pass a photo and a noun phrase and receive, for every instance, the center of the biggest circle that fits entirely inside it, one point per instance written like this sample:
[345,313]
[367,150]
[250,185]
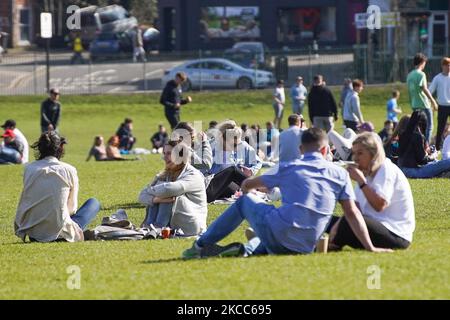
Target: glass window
[303,24]
[24,24]
[229,22]
[197,65]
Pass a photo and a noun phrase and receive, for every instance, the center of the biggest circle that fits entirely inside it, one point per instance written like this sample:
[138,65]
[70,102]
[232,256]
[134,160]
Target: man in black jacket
[322,105]
[172,100]
[50,112]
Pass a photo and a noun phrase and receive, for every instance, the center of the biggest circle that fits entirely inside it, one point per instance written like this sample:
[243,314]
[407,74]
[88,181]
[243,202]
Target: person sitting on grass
[126,138]
[415,156]
[176,198]
[98,150]
[391,144]
[159,139]
[383,195]
[310,188]
[234,160]
[11,151]
[47,209]
[387,131]
[201,153]
[342,144]
[446,145]
[113,152]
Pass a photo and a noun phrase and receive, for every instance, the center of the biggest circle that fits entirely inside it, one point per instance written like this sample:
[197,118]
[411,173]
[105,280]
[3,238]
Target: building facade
[17,19]
[215,24]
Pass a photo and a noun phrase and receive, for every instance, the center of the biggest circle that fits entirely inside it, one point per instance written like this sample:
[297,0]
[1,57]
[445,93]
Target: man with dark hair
[126,139]
[51,111]
[310,188]
[322,105]
[352,107]
[291,139]
[419,95]
[172,99]
[47,209]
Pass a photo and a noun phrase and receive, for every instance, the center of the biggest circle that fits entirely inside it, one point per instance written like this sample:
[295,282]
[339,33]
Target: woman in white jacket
[177,197]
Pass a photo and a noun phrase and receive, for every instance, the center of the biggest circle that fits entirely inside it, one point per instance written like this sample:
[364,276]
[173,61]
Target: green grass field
[152,269]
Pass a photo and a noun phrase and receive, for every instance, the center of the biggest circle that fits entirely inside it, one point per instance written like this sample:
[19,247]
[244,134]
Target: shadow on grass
[132,205]
[164,260]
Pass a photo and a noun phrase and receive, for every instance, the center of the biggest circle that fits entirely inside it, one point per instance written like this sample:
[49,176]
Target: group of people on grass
[202,167]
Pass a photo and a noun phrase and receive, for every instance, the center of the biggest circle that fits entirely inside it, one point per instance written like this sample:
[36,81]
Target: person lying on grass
[47,209]
[310,186]
[383,195]
[177,197]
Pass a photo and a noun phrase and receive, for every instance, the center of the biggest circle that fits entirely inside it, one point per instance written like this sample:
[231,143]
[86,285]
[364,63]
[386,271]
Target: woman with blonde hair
[383,195]
[234,160]
[176,198]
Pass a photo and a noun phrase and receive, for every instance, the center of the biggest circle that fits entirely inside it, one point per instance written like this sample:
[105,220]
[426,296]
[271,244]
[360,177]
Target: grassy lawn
[152,269]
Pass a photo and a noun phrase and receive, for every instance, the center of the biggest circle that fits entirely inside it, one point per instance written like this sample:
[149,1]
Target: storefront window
[303,24]
[229,22]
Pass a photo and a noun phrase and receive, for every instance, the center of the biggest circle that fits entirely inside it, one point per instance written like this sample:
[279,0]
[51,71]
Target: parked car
[219,73]
[110,45]
[260,52]
[120,45]
[109,19]
[242,57]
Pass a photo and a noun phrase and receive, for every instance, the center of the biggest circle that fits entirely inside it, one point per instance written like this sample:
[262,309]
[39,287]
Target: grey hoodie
[190,209]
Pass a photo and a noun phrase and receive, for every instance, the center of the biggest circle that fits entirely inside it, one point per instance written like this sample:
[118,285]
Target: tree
[146,11]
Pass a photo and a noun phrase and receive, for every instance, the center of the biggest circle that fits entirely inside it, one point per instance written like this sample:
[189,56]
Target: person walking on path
[172,99]
[51,112]
[419,96]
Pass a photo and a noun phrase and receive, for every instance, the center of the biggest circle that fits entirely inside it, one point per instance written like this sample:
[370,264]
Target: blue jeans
[9,155]
[87,212]
[159,215]
[430,170]
[257,213]
[297,107]
[429,132]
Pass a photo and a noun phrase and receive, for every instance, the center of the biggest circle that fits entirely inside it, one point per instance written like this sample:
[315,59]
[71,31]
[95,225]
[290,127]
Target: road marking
[153,72]
[114,90]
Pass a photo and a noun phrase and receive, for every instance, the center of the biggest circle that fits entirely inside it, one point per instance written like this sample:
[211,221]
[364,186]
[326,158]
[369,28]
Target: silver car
[219,73]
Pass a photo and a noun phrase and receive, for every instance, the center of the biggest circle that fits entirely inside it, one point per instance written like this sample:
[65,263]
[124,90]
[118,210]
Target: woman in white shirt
[383,195]
[47,209]
[279,99]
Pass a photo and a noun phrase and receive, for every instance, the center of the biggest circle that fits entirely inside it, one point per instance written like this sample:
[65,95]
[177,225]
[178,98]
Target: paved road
[26,74]
[30,78]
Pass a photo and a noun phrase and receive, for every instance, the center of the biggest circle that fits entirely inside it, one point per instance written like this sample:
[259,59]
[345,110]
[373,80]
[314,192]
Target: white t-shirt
[21,138]
[441,84]
[279,94]
[446,149]
[391,184]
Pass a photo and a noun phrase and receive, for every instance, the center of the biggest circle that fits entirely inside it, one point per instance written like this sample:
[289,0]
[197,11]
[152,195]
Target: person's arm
[72,200]
[57,117]
[333,105]
[204,160]
[176,188]
[433,86]
[358,225]
[428,94]
[310,108]
[376,201]
[43,113]
[252,183]
[357,109]
[253,162]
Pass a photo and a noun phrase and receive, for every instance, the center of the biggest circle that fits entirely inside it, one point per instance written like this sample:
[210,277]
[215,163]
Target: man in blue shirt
[310,189]
[291,139]
[298,96]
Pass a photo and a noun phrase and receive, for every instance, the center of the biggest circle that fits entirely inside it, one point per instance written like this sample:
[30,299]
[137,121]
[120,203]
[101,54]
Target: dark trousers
[381,237]
[351,124]
[443,114]
[225,184]
[173,117]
